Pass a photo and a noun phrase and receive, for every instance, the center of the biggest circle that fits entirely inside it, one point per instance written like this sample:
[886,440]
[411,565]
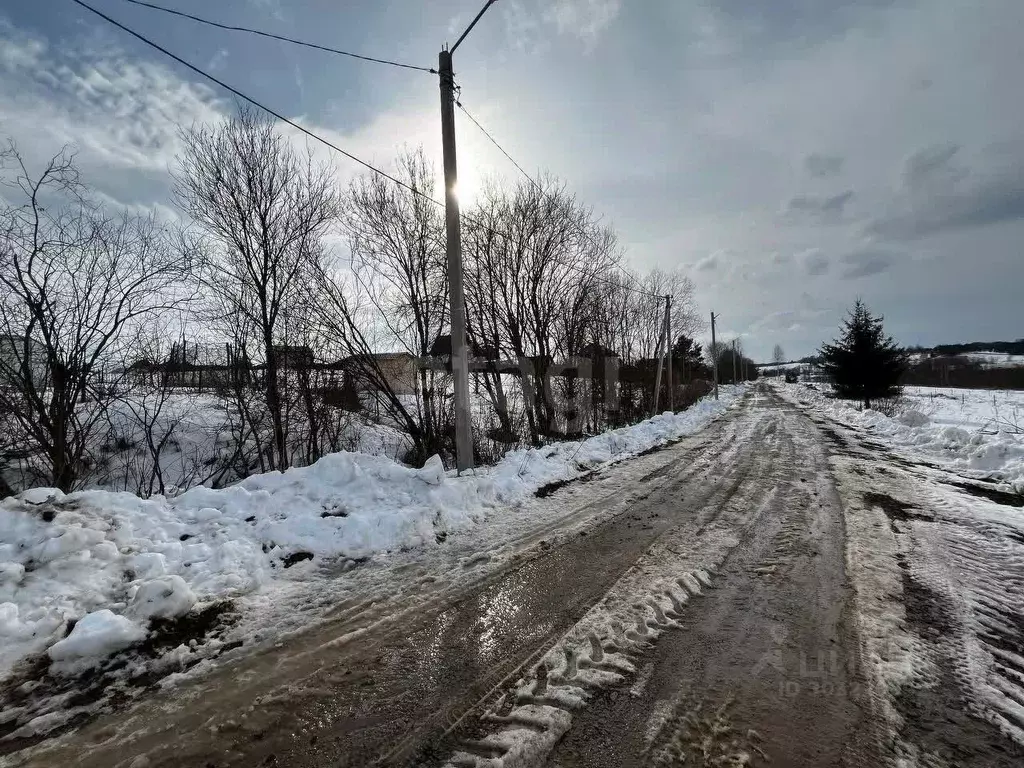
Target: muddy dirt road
[762,668]
[766,668]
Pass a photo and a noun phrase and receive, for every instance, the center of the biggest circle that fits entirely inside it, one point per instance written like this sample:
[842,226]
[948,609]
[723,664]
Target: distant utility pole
[714,353]
[668,336]
[735,375]
[456,297]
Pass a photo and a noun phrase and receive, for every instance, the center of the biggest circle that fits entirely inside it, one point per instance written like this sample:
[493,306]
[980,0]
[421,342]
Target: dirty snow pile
[113,563]
[976,432]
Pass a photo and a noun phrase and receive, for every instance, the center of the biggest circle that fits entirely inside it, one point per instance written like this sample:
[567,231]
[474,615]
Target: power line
[472,24]
[540,188]
[331,145]
[493,141]
[252,101]
[282,38]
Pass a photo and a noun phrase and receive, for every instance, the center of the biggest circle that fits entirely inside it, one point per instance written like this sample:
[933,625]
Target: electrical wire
[252,101]
[282,38]
[472,24]
[493,141]
[529,178]
[329,144]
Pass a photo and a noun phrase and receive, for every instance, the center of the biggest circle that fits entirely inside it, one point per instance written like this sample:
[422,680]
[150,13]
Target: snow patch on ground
[95,636]
[938,576]
[975,432]
[892,656]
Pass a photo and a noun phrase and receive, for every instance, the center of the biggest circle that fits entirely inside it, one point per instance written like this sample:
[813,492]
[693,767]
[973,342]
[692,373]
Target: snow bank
[164,598]
[94,637]
[979,433]
[128,560]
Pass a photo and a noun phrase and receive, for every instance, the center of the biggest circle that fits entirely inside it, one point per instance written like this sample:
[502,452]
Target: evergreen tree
[864,364]
[687,359]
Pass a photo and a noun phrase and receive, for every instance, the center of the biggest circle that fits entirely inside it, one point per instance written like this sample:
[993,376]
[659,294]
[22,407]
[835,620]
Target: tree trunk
[313,450]
[274,406]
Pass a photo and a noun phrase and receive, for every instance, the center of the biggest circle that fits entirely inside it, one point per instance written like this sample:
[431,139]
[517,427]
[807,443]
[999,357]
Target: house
[399,369]
[12,355]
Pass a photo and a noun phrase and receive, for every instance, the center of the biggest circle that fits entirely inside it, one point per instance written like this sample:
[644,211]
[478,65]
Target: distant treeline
[1006,347]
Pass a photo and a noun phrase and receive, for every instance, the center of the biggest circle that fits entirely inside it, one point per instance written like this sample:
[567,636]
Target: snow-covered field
[196,439]
[995,359]
[976,432]
[985,359]
[88,574]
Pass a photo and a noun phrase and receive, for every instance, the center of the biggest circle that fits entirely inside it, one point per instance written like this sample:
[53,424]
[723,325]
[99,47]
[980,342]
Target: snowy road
[778,662]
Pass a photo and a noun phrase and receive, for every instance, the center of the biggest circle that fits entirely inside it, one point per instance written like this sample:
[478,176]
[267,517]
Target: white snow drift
[976,432]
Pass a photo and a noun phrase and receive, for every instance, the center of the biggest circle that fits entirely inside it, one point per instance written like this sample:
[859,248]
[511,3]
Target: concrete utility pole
[735,374]
[714,353]
[668,335]
[456,298]
[657,353]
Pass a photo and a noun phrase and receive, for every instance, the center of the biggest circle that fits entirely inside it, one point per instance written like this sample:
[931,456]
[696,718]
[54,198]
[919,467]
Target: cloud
[707,264]
[218,60]
[931,165]
[814,262]
[586,19]
[521,26]
[788,320]
[823,166]
[118,111]
[941,197]
[865,262]
[825,209]
[272,7]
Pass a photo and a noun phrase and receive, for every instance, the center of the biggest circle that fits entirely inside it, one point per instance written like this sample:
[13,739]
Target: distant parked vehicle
[792,377]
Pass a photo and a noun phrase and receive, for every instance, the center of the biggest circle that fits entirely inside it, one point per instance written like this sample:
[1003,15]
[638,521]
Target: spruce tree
[864,364]
[687,359]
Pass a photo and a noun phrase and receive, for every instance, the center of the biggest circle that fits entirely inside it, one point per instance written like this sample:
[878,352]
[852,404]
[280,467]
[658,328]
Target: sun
[467,189]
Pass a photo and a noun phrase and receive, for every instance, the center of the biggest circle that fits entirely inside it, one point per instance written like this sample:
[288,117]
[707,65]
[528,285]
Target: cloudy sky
[792,155]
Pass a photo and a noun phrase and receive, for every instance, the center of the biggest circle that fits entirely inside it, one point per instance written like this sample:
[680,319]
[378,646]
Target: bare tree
[535,258]
[75,282]
[396,239]
[265,207]
[778,356]
[147,417]
[346,325]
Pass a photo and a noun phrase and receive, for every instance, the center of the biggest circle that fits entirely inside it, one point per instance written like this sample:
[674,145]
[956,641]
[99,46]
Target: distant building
[288,356]
[399,369]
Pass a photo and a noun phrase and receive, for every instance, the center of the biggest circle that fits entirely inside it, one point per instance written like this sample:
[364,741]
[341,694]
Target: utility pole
[668,337]
[657,354]
[735,375]
[714,353]
[456,298]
